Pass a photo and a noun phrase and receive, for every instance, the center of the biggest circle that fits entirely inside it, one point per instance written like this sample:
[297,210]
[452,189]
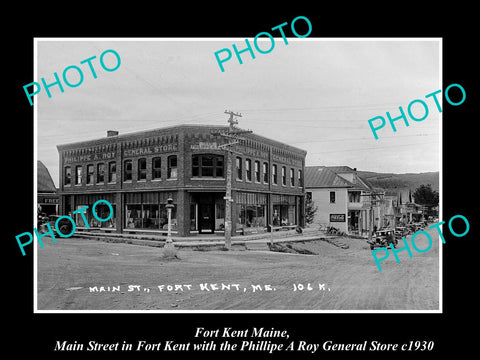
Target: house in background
[47,196]
[344,200]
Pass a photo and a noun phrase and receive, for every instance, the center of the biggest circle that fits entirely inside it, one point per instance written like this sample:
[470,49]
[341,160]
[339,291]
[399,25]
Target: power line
[374,148]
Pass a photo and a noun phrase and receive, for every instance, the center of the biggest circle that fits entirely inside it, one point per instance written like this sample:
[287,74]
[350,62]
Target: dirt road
[80,274]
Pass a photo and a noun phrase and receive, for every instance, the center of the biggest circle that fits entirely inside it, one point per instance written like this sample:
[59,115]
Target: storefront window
[142,169]
[151,216]
[220,216]
[67,180]
[100,173]
[172,167]
[147,211]
[134,216]
[284,210]
[193,217]
[251,210]
[102,211]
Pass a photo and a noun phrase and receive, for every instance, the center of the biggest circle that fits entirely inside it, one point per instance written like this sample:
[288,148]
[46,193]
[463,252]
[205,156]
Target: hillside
[403,182]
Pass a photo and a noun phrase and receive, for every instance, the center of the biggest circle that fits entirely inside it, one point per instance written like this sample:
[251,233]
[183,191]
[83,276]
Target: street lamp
[169,206]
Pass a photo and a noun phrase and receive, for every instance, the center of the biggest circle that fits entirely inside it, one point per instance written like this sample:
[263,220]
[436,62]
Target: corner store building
[138,172]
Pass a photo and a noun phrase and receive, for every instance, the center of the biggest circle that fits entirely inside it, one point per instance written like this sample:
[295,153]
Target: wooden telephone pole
[373,201]
[230,134]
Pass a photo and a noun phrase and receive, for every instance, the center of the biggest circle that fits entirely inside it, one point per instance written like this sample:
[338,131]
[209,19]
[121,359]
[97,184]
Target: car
[383,238]
[64,225]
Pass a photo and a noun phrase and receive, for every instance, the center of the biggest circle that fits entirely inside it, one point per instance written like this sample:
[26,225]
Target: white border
[35,264]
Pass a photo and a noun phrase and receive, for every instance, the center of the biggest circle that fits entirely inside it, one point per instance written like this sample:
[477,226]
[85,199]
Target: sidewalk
[253,242]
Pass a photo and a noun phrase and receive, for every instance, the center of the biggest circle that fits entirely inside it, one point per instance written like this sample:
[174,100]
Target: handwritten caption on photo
[207,287]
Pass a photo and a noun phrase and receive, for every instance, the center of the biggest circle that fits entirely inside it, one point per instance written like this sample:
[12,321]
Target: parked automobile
[64,225]
[383,238]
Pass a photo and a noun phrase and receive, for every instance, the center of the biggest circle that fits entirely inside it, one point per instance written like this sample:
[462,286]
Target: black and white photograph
[262,187]
[267,181]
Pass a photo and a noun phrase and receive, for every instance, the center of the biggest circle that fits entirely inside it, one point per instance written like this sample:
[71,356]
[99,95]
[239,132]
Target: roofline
[140,132]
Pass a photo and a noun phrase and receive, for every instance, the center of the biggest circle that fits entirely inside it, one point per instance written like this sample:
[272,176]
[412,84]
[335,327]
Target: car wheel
[65,229]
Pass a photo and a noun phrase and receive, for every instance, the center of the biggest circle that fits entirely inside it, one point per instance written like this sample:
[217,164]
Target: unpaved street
[80,274]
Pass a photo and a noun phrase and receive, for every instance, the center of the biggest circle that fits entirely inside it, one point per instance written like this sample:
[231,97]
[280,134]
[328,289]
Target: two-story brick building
[138,172]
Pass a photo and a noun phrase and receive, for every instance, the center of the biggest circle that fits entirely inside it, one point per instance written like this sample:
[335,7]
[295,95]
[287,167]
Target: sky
[313,93]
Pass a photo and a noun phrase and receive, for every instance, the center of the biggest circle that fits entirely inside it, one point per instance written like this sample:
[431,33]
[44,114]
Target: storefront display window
[193,217]
[147,211]
[220,216]
[284,210]
[251,210]
[102,211]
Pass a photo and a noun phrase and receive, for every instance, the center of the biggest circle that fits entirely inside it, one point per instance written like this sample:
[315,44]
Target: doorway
[206,218]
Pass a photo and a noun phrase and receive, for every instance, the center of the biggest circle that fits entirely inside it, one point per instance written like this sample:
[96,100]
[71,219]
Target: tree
[425,195]
[310,209]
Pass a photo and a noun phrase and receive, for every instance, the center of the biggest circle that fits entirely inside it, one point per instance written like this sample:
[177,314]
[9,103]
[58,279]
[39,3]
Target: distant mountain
[401,182]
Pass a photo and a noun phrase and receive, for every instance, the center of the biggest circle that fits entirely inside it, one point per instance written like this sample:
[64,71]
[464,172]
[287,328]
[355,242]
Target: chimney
[112,133]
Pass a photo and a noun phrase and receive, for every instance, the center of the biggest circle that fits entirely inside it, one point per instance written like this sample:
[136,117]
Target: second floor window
[265,173]
[284,175]
[157,168]
[142,169]
[100,173]
[257,171]
[248,169]
[172,167]
[354,196]
[127,170]
[112,171]
[274,174]
[78,175]
[67,180]
[89,174]
[207,165]
[300,178]
[292,177]
[332,197]
[238,166]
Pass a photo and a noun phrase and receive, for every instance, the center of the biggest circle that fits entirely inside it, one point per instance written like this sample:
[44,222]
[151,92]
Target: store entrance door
[206,221]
